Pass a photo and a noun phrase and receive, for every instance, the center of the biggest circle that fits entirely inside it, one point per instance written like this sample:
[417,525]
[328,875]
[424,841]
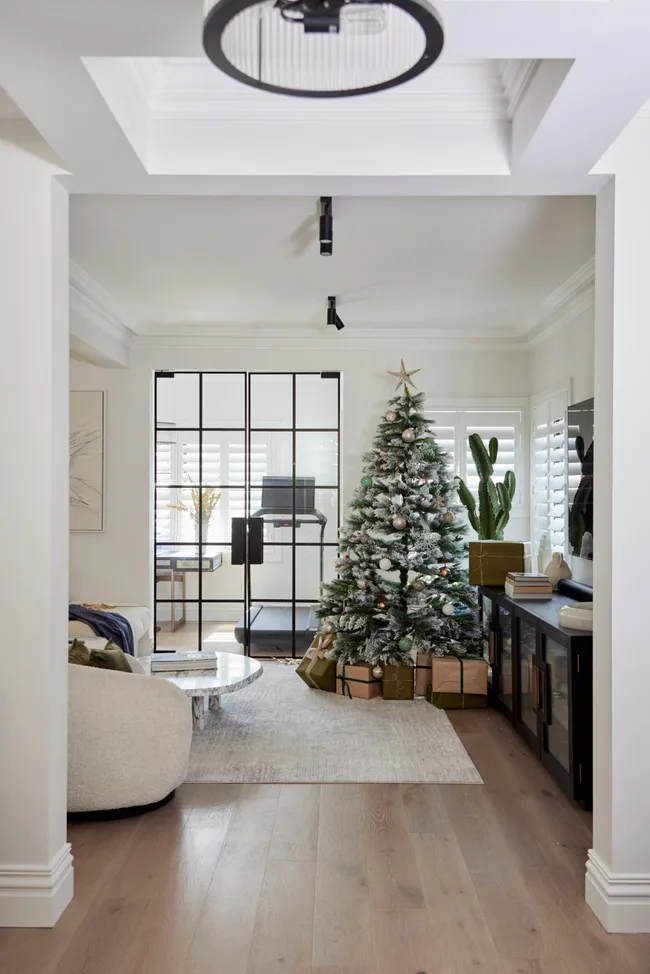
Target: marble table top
[233,672]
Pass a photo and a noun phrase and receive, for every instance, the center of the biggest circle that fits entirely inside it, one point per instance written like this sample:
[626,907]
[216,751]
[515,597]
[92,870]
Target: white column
[618,870]
[35,861]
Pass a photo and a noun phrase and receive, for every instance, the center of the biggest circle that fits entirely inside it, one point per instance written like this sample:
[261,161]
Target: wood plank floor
[340,879]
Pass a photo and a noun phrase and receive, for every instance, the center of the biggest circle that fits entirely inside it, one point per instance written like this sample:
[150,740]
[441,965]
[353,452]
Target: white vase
[204,532]
[557,569]
[544,552]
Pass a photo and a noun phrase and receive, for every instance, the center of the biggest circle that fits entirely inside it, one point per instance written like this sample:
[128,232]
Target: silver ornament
[448,609]
[418,585]
[391,416]
[361,583]
[448,517]
[408,435]
[328,627]
[377,672]
[399,522]
[385,564]
[364,538]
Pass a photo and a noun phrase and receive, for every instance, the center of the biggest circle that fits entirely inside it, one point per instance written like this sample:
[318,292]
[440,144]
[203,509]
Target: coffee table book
[170,662]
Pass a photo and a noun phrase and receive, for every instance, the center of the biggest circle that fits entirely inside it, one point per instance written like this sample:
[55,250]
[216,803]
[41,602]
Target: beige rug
[278,730]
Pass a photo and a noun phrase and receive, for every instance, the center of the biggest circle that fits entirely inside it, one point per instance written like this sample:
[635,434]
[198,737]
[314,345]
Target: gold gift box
[490,561]
[455,701]
[318,672]
[398,682]
[422,673]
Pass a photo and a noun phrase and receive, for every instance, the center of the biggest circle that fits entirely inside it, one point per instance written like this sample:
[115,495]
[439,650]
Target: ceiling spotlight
[326,226]
[332,316]
[322,48]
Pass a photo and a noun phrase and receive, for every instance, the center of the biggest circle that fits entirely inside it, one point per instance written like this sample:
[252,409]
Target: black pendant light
[322,48]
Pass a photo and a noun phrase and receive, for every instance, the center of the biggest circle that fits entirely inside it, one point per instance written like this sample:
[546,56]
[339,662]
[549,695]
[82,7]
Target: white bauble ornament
[408,435]
[399,522]
[361,583]
[448,609]
[385,564]
[377,672]
[391,416]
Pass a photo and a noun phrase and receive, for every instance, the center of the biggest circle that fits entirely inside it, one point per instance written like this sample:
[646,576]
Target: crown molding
[564,305]
[516,75]
[96,305]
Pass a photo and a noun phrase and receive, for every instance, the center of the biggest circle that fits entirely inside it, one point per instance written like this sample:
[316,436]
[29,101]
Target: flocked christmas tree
[401,587]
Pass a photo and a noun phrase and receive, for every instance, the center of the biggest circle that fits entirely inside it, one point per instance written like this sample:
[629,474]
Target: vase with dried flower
[204,502]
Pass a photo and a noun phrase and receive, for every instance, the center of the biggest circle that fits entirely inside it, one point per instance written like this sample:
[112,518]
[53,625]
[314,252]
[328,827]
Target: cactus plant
[494,500]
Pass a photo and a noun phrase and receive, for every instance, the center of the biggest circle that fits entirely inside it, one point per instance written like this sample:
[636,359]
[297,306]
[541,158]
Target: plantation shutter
[163,493]
[501,425]
[259,463]
[550,471]
[444,431]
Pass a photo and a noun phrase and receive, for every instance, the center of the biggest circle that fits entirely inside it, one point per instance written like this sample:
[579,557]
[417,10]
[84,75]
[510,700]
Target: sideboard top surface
[546,611]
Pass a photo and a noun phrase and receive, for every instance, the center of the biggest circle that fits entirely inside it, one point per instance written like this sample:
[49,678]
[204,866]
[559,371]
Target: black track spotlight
[326,226]
[332,316]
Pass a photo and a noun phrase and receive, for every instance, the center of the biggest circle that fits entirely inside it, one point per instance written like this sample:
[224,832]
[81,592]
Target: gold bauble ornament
[391,416]
[381,605]
[448,517]
[377,672]
[444,572]
[418,585]
[399,522]
[408,435]
[361,583]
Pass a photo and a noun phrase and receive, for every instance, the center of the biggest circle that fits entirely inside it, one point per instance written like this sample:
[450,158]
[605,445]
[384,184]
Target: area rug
[278,730]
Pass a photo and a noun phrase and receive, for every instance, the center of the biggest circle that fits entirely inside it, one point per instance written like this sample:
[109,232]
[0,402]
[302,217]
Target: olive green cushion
[111,657]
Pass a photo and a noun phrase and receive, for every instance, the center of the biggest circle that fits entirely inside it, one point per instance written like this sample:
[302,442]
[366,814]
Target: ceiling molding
[325,339]
[565,304]
[516,76]
[92,302]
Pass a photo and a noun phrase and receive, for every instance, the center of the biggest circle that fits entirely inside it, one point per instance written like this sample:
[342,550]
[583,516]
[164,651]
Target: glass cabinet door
[505,668]
[557,706]
[528,710]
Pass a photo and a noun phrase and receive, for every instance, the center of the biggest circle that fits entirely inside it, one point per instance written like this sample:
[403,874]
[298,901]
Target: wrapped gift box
[398,682]
[356,681]
[490,561]
[422,673]
[318,672]
[455,701]
[459,674]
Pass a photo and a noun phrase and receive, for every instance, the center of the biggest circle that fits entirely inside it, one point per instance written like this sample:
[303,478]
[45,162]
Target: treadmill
[272,626]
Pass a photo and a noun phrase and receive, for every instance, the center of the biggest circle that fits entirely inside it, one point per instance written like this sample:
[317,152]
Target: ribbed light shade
[377,46]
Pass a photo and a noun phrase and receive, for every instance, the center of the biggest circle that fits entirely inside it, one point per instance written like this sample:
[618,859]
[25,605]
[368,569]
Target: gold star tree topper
[403,376]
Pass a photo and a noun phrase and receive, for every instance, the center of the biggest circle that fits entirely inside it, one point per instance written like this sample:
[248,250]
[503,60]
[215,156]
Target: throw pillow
[111,657]
[78,653]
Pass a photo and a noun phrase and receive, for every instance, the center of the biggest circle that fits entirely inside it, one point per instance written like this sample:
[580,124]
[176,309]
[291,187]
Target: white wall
[115,565]
[566,359]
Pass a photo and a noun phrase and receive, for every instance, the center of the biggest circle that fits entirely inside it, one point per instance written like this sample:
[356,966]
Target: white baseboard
[36,896]
[621,901]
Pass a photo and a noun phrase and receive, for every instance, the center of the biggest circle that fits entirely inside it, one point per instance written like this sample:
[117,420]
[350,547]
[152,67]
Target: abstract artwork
[86,461]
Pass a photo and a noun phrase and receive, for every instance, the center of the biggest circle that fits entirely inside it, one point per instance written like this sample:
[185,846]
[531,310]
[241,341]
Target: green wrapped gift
[455,701]
[318,672]
[490,561]
[398,682]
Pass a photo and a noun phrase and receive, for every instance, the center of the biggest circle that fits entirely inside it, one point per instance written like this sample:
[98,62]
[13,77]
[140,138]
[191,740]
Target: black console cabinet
[541,679]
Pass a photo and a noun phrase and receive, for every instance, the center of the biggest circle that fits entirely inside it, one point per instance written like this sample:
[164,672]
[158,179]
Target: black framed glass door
[247,508]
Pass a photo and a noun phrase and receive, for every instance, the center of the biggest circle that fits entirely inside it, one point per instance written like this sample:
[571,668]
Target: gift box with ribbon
[422,673]
[490,561]
[458,682]
[318,672]
[398,682]
[356,680]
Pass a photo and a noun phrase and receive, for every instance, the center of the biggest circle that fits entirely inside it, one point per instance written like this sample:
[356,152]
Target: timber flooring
[340,879]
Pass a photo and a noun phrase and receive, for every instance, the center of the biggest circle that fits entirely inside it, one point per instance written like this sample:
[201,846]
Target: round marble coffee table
[205,687]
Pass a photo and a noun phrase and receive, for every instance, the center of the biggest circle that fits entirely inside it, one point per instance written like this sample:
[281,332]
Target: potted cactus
[490,558]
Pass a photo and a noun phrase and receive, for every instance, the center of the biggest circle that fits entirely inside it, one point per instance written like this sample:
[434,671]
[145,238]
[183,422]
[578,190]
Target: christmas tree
[401,587]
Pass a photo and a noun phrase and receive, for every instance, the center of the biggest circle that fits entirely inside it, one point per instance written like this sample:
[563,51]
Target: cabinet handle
[492,651]
[535,688]
[541,676]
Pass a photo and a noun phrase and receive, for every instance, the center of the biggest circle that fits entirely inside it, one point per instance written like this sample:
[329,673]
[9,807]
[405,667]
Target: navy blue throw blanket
[110,625]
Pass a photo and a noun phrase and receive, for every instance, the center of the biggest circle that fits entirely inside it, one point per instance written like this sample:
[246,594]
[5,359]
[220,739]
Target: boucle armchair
[129,738]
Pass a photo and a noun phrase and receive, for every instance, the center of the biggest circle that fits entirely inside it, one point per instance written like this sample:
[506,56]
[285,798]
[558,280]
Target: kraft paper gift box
[356,681]
[490,561]
[318,672]
[398,682]
[422,673]
[459,674]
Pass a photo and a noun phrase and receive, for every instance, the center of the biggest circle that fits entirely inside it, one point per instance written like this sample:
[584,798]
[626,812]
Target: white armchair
[129,738]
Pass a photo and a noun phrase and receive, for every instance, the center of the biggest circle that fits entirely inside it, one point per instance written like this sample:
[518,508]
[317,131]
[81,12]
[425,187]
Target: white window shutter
[550,471]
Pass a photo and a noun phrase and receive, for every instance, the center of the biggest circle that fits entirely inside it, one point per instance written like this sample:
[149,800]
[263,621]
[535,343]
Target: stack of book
[524,586]
[169,662]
